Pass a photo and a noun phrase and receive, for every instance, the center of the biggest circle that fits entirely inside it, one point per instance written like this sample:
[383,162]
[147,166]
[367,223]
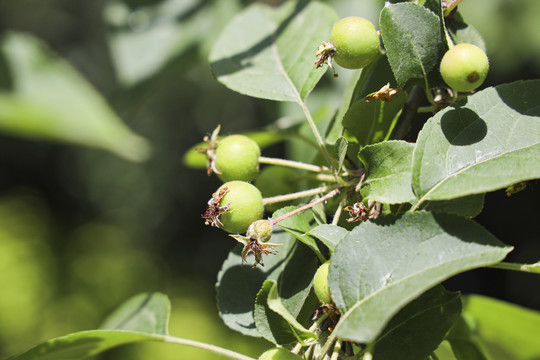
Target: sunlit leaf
[330,235]
[381,266]
[463,342]
[269,52]
[487,143]
[413,40]
[504,330]
[388,172]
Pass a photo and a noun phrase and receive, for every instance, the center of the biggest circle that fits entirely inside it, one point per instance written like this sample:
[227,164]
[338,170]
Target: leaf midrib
[280,64]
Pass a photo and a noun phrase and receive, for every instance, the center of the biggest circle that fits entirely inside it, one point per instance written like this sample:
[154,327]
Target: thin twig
[318,137]
[297,195]
[293,164]
[339,210]
[307,206]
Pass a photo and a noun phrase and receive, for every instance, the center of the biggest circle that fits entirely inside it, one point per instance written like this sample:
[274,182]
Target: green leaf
[504,330]
[413,40]
[424,322]
[381,266]
[485,144]
[463,343]
[330,235]
[388,172]
[467,206]
[142,318]
[461,32]
[83,344]
[49,100]
[341,151]
[298,225]
[274,321]
[362,82]
[147,39]
[147,313]
[270,52]
[373,121]
[293,267]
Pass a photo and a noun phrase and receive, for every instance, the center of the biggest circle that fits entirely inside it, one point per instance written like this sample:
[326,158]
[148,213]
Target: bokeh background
[82,230]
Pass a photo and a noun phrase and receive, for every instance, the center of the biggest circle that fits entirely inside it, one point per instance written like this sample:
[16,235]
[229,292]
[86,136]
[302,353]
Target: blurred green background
[82,230]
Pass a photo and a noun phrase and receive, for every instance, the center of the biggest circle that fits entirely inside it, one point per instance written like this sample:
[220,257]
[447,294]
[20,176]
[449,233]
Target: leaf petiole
[531,268]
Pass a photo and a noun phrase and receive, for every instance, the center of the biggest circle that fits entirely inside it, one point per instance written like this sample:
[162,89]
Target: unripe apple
[464,67]
[356,42]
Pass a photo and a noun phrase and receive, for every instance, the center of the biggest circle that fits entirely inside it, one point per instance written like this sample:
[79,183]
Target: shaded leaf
[49,100]
[373,121]
[363,82]
[381,266]
[270,52]
[461,32]
[292,267]
[467,206]
[153,36]
[388,172]
[341,151]
[427,318]
[330,235]
[485,144]
[413,40]
[148,313]
[275,323]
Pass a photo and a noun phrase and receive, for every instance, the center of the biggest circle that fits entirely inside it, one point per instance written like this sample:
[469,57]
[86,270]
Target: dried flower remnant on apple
[234,206]
[256,241]
[354,44]
[234,157]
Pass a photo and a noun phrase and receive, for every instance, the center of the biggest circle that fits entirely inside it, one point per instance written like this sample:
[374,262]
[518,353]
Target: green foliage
[382,265]
[413,41]
[274,59]
[47,99]
[462,149]
[387,200]
[143,318]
